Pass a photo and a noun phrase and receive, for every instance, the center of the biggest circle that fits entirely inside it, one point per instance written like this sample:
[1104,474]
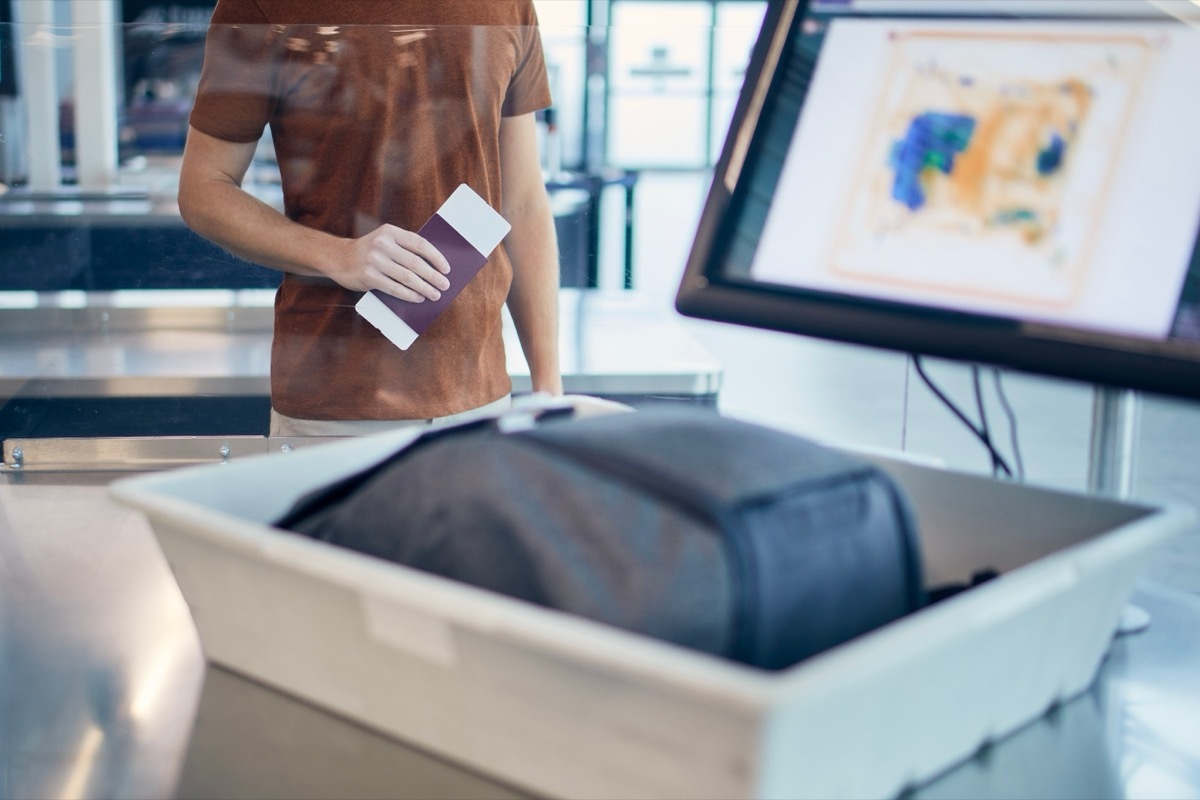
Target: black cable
[985,433]
[997,460]
[946,400]
[1012,425]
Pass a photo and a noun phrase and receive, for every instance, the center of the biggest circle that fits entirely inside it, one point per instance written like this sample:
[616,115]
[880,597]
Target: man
[378,110]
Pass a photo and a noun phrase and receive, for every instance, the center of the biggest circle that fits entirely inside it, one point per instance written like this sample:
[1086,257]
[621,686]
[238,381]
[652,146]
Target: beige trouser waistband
[283,425]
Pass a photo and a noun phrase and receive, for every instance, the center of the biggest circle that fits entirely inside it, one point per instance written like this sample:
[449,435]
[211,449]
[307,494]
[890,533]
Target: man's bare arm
[533,249]
[213,203]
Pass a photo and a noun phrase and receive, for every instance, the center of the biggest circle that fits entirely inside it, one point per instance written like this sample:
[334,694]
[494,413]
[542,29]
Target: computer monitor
[1007,183]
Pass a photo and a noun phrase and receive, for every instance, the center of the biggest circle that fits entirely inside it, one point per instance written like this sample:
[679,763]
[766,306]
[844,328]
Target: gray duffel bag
[677,523]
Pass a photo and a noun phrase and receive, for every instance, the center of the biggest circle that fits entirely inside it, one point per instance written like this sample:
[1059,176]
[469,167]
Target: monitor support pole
[1116,414]
[1112,462]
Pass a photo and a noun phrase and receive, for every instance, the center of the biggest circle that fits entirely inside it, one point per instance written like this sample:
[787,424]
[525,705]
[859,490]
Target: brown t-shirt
[378,111]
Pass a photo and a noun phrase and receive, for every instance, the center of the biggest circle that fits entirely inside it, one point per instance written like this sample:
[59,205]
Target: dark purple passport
[465,263]
[465,230]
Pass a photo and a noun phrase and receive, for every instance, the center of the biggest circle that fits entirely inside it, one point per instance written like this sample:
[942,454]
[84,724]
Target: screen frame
[8,61]
[706,291]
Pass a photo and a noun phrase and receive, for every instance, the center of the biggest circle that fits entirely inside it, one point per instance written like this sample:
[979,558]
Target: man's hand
[395,261]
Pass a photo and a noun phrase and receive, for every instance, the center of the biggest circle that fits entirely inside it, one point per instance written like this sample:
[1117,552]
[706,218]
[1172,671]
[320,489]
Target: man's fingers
[411,280]
[403,264]
[421,269]
[415,243]
[402,292]
[422,262]
[402,282]
[403,269]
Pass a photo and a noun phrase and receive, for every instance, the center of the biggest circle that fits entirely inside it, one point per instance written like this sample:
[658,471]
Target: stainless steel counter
[158,342]
[215,345]
[106,694]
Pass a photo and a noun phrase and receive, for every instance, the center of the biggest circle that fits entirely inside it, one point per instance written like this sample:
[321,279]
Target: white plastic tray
[563,706]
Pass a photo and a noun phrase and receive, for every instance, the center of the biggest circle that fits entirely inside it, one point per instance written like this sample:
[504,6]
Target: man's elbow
[190,195]
[528,206]
[197,197]
[210,167]
[187,205]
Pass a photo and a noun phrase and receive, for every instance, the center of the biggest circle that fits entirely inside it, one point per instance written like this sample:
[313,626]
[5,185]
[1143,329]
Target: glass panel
[112,300]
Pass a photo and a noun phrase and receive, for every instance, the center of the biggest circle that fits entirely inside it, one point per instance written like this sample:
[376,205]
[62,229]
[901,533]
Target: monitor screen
[1013,183]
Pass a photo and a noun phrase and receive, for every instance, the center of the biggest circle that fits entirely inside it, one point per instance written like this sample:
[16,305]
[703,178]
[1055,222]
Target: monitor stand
[1112,461]
[1116,414]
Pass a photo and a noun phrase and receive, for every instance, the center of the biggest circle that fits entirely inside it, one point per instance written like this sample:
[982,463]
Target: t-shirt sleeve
[529,89]
[236,96]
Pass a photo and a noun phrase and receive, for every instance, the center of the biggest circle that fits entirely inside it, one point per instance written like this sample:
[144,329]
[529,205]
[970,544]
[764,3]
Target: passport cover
[465,230]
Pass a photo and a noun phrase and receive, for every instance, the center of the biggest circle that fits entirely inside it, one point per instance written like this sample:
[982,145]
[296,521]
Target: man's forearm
[223,212]
[533,250]
[213,203]
[533,298]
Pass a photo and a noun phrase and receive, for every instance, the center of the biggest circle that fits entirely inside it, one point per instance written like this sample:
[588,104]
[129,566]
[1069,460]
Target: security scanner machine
[1009,184]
